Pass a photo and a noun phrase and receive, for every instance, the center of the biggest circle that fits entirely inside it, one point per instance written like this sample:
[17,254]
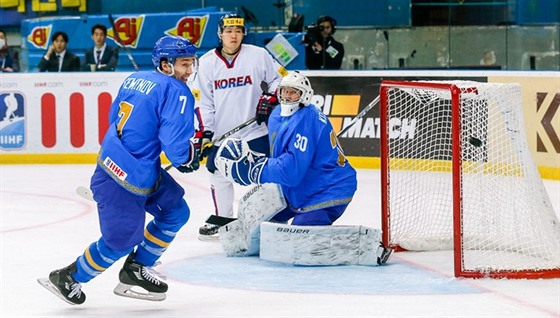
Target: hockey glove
[194,160]
[236,162]
[203,142]
[266,105]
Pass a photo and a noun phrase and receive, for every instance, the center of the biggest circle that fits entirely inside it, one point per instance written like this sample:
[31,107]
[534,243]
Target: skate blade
[209,238]
[126,290]
[45,282]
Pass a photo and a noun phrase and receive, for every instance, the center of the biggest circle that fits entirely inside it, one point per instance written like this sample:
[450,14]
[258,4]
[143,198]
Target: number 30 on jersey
[301,142]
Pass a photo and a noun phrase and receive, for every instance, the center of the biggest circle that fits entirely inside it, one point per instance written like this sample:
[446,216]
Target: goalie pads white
[320,245]
[242,236]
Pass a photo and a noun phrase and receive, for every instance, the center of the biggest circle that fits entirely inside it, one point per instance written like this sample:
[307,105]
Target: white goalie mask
[294,90]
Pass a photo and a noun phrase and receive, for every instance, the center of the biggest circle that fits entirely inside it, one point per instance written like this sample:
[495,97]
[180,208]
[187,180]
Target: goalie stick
[118,41]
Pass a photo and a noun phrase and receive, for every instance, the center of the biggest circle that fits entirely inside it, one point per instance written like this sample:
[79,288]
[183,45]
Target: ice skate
[208,232]
[383,254]
[140,282]
[61,283]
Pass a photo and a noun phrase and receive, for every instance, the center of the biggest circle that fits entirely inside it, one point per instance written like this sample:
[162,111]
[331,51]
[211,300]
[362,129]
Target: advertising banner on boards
[66,113]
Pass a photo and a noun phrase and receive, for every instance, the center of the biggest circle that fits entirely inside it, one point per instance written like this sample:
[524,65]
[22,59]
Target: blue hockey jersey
[151,113]
[307,161]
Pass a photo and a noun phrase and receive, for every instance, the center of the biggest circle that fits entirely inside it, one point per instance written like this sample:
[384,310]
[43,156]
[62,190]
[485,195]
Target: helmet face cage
[170,48]
[299,82]
[231,20]
[285,95]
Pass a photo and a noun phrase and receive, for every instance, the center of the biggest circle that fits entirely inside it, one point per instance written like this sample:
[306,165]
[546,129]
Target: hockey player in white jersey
[227,88]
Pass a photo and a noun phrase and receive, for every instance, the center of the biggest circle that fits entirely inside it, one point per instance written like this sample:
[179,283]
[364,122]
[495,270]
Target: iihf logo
[12,125]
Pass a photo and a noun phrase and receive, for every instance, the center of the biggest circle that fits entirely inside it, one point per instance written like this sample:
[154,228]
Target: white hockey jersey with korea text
[227,92]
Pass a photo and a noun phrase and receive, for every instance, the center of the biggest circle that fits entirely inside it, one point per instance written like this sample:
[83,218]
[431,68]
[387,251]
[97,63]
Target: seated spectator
[101,57]
[57,58]
[9,59]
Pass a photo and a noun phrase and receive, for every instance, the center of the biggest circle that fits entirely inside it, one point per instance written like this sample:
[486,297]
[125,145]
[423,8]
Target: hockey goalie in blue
[153,112]
[306,179]
[306,159]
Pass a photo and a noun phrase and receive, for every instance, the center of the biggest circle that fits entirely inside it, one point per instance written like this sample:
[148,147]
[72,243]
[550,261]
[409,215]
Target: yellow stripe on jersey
[154,239]
[92,263]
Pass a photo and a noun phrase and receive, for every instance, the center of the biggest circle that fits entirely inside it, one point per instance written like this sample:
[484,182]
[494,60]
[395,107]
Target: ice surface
[45,225]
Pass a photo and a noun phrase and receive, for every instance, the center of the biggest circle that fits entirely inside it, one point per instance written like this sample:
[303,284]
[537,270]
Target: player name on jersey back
[139,84]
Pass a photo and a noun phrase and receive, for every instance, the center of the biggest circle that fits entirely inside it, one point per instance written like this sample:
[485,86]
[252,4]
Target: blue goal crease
[395,278]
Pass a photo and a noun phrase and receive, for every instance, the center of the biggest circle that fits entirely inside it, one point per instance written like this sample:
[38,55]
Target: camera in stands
[313,34]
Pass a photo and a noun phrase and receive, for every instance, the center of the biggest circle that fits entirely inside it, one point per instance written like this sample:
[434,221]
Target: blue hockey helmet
[171,47]
[231,20]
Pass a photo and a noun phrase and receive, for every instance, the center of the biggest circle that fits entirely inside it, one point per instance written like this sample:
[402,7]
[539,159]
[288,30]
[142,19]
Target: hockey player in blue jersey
[306,159]
[153,112]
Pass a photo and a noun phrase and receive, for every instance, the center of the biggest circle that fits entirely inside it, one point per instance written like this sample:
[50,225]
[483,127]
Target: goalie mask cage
[457,174]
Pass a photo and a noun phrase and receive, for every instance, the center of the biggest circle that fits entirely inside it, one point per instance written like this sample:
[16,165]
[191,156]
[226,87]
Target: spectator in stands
[101,57]
[57,58]
[488,58]
[324,52]
[9,59]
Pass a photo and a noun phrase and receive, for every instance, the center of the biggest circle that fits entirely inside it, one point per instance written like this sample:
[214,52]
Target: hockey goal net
[457,174]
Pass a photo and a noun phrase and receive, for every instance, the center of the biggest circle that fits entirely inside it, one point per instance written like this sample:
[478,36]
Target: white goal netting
[465,171]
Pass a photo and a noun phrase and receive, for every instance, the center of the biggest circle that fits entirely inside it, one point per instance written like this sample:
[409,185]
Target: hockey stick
[264,87]
[86,193]
[118,40]
[221,220]
[224,136]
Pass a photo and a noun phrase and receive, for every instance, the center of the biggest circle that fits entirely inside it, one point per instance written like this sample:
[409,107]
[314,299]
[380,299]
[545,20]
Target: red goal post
[457,174]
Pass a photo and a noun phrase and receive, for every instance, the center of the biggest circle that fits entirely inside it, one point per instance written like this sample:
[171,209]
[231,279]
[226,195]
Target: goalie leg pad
[234,239]
[261,203]
[319,245]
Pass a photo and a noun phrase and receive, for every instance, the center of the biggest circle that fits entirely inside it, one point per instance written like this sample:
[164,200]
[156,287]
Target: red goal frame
[458,255]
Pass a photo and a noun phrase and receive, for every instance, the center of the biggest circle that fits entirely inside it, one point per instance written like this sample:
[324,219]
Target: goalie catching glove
[236,162]
[266,105]
[194,160]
